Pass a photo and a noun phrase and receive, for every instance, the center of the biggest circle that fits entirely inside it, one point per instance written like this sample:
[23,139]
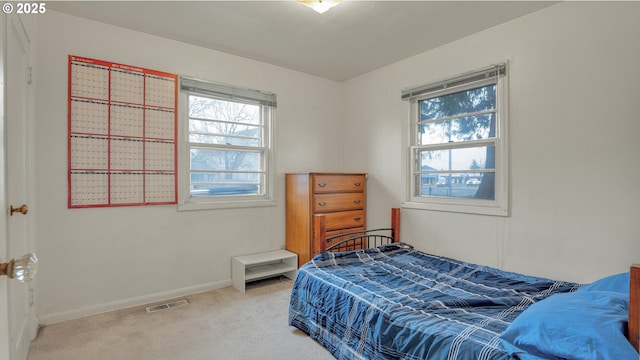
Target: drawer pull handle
[357,184]
[356,201]
[357,219]
[322,203]
[322,184]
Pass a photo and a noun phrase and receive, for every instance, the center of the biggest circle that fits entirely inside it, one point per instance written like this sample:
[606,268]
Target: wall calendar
[122,135]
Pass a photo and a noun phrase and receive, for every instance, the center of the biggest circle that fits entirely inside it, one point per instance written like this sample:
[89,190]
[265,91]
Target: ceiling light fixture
[320,6]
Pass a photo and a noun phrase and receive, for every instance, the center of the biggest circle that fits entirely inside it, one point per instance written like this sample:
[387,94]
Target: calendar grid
[122,135]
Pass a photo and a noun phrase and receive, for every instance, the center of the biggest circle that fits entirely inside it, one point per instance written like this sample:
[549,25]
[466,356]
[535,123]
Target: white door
[16,299]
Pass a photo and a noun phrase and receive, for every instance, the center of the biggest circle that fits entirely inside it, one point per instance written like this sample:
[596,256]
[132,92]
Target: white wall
[574,169]
[575,123]
[104,258]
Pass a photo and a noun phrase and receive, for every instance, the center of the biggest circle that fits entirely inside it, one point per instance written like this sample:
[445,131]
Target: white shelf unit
[261,266]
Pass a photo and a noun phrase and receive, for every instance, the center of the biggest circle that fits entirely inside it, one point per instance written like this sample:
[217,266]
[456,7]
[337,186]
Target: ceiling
[350,39]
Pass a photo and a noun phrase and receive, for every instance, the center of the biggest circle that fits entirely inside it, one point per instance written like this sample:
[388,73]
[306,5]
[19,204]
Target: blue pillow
[618,283]
[587,325]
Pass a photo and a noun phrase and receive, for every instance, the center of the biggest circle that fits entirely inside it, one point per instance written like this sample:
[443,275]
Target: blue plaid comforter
[395,302]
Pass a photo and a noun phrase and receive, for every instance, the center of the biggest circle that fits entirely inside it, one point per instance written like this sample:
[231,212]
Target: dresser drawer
[337,202]
[344,219]
[341,183]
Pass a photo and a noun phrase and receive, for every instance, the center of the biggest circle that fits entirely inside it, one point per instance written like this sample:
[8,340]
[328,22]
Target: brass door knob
[23,209]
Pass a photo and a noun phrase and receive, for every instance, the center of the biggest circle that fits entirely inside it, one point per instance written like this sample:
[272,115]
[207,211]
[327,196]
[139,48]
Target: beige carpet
[220,324]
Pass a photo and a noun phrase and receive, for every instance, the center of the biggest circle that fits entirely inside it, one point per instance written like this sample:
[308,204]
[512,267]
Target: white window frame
[203,88]
[499,206]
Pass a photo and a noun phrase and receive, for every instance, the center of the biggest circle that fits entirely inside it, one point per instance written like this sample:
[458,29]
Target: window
[458,145]
[227,157]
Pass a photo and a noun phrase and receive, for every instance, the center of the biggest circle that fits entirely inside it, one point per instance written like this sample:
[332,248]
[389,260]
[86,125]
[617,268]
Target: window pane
[215,132]
[208,184]
[457,185]
[476,127]
[223,139]
[200,178]
[473,100]
[222,110]
[203,159]
[472,158]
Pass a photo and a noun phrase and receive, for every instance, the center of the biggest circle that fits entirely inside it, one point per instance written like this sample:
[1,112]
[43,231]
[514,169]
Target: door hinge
[29,75]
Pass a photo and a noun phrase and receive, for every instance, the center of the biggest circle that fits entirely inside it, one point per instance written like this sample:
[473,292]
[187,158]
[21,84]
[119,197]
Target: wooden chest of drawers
[341,196]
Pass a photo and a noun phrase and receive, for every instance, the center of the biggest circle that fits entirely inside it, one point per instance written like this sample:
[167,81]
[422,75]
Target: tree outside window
[456,132]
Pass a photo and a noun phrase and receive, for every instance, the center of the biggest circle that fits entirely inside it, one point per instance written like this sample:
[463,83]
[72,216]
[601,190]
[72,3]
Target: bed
[370,296]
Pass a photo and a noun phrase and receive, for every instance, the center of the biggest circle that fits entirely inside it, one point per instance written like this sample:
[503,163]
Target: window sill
[231,204]
[458,208]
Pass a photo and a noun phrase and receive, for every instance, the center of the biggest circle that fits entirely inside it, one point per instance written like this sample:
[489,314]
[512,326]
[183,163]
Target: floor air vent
[166,306]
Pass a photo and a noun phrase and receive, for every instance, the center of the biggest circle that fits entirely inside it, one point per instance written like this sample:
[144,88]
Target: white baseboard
[126,303]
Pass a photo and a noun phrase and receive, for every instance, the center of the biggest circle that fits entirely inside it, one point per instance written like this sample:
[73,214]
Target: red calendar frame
[122,137]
